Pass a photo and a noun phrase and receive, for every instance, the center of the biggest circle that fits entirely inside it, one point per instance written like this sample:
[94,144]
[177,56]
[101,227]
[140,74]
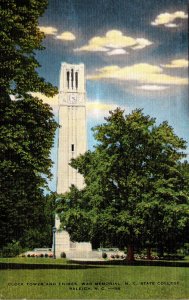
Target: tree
[19,38]
[27,129]
[134,190]
[27,125]
[41,235]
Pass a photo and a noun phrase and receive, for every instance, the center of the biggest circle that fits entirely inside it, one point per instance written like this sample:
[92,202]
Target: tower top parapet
[71,65]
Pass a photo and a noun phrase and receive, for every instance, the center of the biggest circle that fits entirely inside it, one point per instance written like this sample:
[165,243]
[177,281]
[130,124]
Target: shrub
[28,255]
[63,255]
[117,256]
[173,257]
[104,255]
[12,249]
[46,255]
[41,255]
[112,256]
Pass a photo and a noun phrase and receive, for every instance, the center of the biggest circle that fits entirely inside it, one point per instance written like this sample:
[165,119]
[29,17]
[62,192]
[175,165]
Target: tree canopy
[20,37]
[27,127]
[135,194]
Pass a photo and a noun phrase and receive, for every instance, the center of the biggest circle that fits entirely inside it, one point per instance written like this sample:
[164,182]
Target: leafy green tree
[20,37]
[39,233]
[27,126]
[135,194]
[78,213]
[184,169]
[27,129]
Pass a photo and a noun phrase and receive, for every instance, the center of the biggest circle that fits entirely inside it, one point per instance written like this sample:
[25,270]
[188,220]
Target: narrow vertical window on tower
[72,77]
[68,78]
[76,80]
[72,147]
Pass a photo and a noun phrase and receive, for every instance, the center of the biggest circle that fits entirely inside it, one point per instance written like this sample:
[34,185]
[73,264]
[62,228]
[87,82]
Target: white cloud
[152,88]
[94,107]
[143,73]
[92,48]
[48,30]
[66,36]
[52,101]
[141,43]
[177,63]
[98,109]
[13,97]
[171,25]
[167,19]
[114,39]
[117,52]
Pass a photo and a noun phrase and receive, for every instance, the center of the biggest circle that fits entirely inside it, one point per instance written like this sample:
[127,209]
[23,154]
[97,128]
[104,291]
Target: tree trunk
[130,253]
[149,253]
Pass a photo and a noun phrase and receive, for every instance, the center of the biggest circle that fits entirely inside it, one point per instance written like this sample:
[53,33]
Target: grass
[105,282]
[34,260]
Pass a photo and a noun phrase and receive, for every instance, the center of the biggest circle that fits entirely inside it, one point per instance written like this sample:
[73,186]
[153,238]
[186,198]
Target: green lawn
[105,282]
[34,260]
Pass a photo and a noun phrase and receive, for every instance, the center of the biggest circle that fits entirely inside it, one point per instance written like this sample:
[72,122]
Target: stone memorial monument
[72,141]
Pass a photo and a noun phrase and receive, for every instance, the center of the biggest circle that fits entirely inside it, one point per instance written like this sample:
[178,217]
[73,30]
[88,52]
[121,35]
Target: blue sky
[135,54]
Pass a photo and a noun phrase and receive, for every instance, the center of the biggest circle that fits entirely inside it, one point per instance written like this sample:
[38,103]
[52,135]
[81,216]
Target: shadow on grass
[72,266]
[161,263]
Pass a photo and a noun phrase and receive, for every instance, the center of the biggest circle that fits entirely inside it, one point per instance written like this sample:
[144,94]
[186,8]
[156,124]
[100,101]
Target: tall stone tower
[72,120]
[72,138]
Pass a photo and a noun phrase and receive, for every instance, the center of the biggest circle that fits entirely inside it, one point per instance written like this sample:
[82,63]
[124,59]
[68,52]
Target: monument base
[63,244]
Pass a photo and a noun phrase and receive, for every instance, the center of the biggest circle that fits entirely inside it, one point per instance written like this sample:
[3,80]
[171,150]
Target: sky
[135,54]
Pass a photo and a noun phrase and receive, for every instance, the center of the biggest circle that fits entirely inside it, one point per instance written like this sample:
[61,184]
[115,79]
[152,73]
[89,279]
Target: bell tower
[72,137]
[72,141]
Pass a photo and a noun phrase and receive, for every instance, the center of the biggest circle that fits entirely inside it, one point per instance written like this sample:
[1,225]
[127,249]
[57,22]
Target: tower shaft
[72,136]
[72,143]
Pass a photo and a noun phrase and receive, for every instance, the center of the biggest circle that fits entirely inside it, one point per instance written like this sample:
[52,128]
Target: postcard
[94,170]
